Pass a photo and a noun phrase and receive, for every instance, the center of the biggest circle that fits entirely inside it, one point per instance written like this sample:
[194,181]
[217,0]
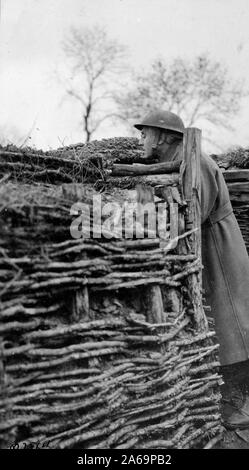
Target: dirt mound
[236,158]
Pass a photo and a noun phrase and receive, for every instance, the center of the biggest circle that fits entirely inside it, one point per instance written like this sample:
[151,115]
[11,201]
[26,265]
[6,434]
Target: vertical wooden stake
[153,296]
[154,304]
[5,436]
[80,305]
[191,185]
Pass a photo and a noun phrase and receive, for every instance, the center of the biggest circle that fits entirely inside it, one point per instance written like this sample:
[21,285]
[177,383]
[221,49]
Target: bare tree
[95,61]
[198,91]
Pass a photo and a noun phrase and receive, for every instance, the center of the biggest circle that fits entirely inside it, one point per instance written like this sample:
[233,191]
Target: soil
[233,397]
[235,440]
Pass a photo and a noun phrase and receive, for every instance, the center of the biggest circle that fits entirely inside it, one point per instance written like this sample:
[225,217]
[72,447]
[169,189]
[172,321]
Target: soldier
[224,256]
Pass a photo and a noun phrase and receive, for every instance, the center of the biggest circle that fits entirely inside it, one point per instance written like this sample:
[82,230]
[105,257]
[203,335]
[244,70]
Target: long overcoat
[226,265]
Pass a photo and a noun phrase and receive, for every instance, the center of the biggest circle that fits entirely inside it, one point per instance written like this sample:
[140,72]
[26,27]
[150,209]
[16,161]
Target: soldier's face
[154,138]
[148,140]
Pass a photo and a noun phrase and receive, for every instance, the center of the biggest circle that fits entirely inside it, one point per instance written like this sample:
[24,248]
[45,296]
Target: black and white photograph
[124,229]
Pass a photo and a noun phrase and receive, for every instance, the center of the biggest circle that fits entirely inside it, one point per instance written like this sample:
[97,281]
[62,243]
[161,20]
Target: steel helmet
[162,120]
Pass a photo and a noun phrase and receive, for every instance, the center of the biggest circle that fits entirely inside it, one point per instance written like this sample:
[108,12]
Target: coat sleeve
[213,187]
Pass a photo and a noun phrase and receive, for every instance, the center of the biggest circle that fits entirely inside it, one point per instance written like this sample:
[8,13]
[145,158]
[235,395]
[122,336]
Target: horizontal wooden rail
[152,180]
[242,187]
[140,169]
[236,175]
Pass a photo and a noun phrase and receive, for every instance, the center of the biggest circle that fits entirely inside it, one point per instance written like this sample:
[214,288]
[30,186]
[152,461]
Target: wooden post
[80,305]
[191,186]
[154,304]
[5,436]
[153,301]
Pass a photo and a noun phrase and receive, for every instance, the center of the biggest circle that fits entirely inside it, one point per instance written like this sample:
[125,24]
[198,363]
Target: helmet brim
[171,129]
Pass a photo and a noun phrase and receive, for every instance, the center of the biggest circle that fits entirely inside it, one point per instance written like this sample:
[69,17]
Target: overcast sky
[32,32]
